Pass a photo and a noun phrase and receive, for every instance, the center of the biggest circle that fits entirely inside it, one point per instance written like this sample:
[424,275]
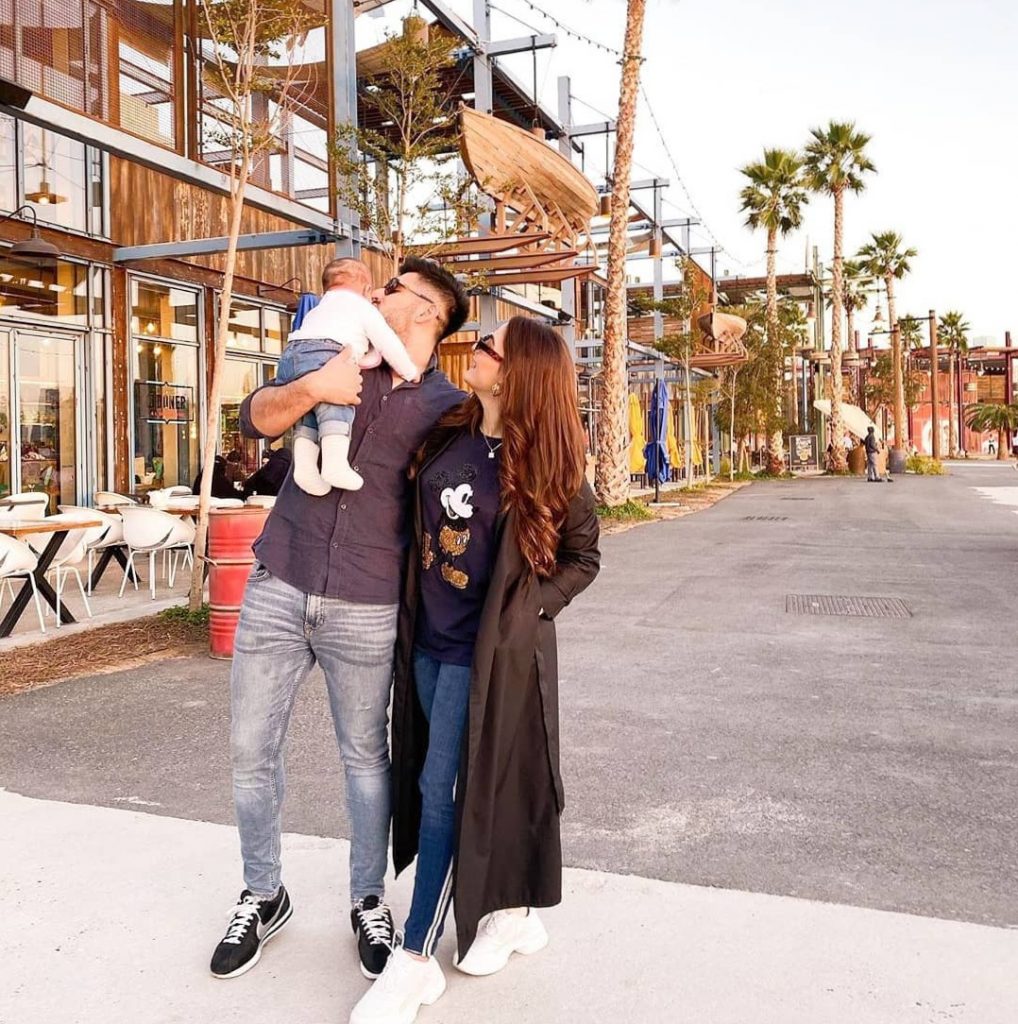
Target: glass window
[100,361]
[5,415]
[54,291]
[95,197]
[243,455]
[162,311]
[165,414]
[54,173]
[148,60]
[277,328]
[245,329]
[8,165]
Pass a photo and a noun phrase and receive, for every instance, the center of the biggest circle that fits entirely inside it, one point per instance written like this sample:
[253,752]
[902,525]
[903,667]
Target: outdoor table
[59,529]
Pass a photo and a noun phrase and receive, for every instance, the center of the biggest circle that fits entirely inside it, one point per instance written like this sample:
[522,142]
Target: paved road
[711,737]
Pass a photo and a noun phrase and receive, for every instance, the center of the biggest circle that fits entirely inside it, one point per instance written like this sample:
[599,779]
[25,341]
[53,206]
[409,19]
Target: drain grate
[841,604]
[798,499]
[764,519]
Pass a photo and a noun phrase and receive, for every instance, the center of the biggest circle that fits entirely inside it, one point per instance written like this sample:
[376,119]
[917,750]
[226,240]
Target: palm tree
[835,163]
[994,416]
[612,473]
[885,257]
[773,200]
[856,282]
[953,335]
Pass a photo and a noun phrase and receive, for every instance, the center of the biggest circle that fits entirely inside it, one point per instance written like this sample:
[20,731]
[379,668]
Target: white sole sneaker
[271,933]
[495,960]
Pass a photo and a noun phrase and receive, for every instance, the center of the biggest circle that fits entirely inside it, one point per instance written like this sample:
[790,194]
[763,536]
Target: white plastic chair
[148,531]
[109,535]
[25,505]
[69,554]
[261,501]
[112,498]
[19,561]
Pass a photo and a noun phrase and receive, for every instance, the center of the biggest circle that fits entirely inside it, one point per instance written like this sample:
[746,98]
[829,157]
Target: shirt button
[335,545]
[357,469]
[385,398]
[343,507]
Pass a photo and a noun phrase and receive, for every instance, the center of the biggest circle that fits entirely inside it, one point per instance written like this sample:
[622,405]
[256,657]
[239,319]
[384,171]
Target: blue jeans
[282,633]
[444,693]
[304,356]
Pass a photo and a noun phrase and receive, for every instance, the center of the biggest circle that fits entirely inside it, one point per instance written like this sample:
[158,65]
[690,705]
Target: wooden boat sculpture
[541,189]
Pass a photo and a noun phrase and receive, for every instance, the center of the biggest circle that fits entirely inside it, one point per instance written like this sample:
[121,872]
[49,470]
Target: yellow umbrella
[637,460]
[674,455]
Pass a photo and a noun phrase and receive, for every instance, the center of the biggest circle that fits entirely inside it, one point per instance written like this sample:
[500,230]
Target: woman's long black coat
[509,791]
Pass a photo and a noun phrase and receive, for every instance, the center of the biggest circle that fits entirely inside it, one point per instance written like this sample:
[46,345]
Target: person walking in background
[505,536]
[872,446]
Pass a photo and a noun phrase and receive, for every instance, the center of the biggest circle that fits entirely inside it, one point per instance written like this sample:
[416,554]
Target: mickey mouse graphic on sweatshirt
[460,505]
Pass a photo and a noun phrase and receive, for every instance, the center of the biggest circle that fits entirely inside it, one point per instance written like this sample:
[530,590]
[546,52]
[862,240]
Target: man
[872,449]
[325,589]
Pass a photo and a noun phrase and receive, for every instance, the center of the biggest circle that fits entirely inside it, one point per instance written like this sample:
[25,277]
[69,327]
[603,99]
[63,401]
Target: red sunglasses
[484,345]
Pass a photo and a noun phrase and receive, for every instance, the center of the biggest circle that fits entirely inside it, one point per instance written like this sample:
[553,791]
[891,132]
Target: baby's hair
[345,272]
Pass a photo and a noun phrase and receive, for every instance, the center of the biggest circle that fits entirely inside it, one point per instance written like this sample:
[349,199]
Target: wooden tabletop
[51,524]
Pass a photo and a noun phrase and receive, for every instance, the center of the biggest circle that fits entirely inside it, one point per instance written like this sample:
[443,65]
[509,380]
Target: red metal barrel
[232,531]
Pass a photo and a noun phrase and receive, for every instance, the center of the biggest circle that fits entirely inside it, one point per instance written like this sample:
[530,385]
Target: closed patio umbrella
[855,419]
[305,304]
[656,451]
[637,434]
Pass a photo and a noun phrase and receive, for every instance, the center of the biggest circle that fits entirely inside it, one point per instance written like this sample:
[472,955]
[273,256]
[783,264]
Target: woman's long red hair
[544,445]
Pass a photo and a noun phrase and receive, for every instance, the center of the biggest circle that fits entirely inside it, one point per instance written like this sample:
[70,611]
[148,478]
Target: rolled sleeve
[247,428]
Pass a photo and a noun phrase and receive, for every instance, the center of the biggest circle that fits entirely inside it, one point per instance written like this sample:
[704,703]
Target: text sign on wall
[158,402]
[803,452]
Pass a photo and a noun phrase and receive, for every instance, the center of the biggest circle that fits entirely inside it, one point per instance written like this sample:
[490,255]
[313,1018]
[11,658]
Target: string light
[562,28]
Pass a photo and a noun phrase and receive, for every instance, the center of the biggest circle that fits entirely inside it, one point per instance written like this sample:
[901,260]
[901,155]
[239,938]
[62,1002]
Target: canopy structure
[855,419]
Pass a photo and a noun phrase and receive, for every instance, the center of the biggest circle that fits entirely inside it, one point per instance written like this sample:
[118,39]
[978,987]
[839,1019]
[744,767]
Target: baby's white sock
[336,463]
[305,467]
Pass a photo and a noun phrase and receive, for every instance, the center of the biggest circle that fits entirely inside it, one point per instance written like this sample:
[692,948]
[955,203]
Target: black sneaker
[372,924]
[252,923]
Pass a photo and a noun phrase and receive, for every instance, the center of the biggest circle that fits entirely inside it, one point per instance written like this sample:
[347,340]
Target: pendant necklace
[491,451]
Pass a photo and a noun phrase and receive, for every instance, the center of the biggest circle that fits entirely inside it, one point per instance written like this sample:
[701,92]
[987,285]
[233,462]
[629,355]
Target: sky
[933,82]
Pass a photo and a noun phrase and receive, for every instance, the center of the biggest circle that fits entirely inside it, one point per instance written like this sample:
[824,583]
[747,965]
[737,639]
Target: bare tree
[251,58]
[611,480]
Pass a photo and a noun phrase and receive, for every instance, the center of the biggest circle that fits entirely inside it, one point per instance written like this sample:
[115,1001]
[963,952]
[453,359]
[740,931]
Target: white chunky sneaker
[402,989]
[499,935]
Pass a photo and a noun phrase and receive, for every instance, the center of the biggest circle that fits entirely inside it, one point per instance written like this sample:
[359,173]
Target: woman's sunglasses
[484,345]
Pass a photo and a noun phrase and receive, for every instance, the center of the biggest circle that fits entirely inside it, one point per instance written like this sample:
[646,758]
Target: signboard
[158,402]
[803,452]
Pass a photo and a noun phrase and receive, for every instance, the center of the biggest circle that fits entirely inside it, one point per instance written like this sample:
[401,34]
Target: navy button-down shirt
[352,544]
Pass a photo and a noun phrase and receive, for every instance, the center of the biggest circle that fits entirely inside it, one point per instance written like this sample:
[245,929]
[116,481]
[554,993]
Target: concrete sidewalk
[112,918]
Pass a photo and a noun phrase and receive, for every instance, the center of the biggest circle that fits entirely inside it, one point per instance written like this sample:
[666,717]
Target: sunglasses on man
[394,284]
[484,345]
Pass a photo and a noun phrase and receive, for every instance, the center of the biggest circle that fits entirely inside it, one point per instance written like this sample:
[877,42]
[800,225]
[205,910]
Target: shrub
[183,615]
[924,465]
[726,466]
[629,510]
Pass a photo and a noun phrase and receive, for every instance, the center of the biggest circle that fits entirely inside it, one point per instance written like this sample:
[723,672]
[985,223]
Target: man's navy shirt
[352,544]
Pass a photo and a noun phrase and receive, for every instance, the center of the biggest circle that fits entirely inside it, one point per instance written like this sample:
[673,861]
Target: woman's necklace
[491,450]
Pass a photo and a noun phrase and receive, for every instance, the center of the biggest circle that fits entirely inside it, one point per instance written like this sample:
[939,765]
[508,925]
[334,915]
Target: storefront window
[162,311]
[277,328]
[166,394]
[57,291]
[165,415]
[243,455]
[5,416]
[54,175]
[8,165]
[245,328]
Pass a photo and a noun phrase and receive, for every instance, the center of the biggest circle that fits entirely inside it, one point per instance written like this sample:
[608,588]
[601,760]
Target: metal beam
[210,246]
[521,44]
[449,19]
[643,183]
[597,128]
[344,101]
[84,129]
[679,222]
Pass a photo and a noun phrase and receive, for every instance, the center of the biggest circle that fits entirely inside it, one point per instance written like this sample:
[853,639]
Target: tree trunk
[196,596]
[732,446]
[839,462]
[952,430]
[898,359]
[1003,444]
[611,479]
[776,441]
[688,430]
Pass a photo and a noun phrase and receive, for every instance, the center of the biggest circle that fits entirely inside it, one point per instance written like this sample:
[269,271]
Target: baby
[343,319]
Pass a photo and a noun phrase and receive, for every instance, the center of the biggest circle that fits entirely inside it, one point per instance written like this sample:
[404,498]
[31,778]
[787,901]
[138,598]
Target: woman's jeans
[281,635]
[444,693]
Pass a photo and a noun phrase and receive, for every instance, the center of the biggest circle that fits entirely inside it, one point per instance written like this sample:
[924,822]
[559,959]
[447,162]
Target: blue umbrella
[656,452]
[305,304]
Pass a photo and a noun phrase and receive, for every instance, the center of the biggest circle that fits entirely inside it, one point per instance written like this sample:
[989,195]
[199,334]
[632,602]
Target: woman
[505,536]
[268,480]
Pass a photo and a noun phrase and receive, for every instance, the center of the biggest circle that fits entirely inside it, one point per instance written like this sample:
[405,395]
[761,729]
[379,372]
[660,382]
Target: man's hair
[454,296]
[344,271]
